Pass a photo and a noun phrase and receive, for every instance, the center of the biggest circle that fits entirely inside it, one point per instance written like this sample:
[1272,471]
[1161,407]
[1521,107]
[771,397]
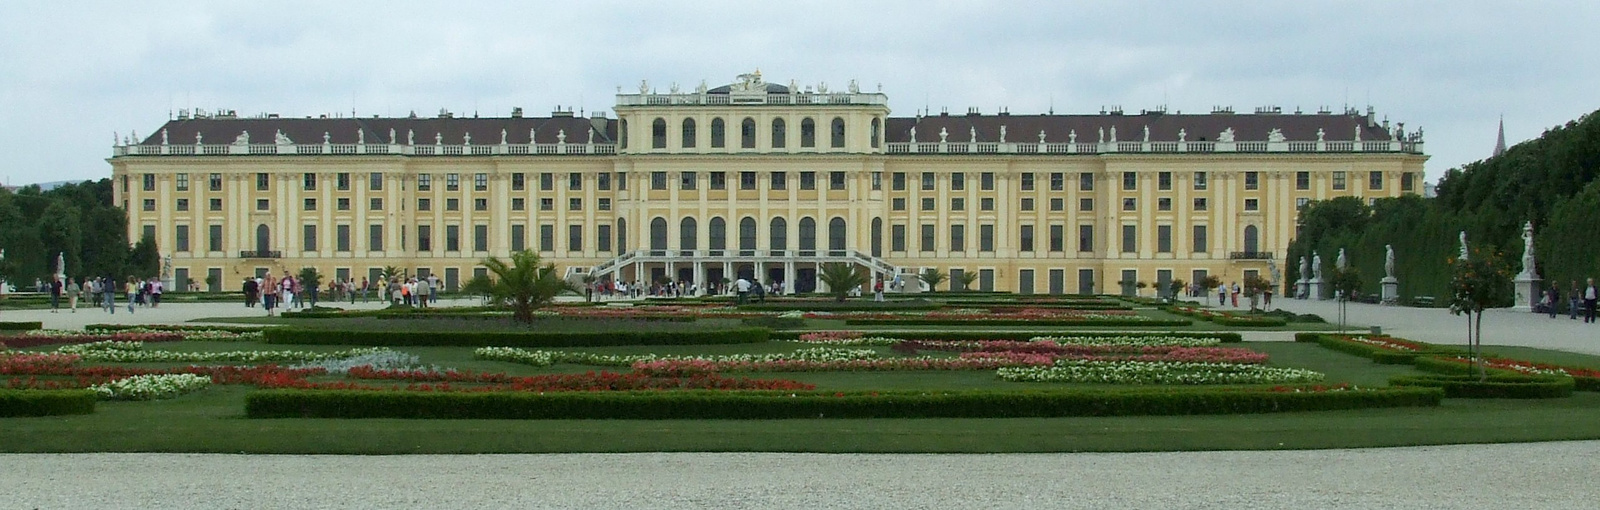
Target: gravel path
[1538,475]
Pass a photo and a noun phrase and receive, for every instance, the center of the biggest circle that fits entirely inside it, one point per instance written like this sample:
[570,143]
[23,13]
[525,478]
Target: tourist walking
[433,288]
[424,290]
[1235,294]
[742,286]
[1222,295]
[1574,301]
[156,289]
[877,290]
[1590,296]
[108,288]
[131,288]
[1551,297]
[55,293]
[73,290]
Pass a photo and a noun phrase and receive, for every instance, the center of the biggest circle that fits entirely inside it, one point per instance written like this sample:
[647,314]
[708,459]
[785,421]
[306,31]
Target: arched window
[658,234]
[622,235]
[779,234]
[622,133]
[877,237]
[747,233]
[719,134]
[780,134]
[808,234]
[263,239]
[688,133]
[838,133]
[1251,242]
[877,126]
[719,234]
[688,238]
[658,133]
[836,234]
[808,133]
[747,133]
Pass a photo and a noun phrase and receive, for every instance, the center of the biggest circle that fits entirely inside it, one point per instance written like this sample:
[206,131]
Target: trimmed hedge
[1224,337]
[298,336]
[1441,366]
[111,328]
[536,318]
[1088,323]
[751,405]
[46,402]
[1497,385]
[834,306]
[1376,354]
[1235,320]
[20,325]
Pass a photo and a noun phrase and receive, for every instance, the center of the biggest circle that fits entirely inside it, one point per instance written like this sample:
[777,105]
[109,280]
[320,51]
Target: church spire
[1500,142]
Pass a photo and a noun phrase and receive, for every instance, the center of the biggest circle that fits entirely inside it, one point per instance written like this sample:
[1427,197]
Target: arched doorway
[808,234]
[877,237]
[836,234]
[263,240]
[719,234]
[1252,243]
[658,234]
[688,236]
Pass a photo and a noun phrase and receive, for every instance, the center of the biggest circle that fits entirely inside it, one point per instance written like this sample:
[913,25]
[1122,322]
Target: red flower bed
[26,341]
[591,381]
[1528,366]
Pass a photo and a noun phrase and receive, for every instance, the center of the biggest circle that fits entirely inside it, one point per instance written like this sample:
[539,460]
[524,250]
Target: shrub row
[299,336]
[785,405]
[835,306]
[1376,354]
[1234,320]
[1443,366]
[1154,323]
[45,402]
[20,325]
[112,328]
[484,316]
[1497,385]
[1224,337]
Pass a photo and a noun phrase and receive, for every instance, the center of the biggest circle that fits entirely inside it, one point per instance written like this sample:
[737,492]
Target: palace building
[755,179]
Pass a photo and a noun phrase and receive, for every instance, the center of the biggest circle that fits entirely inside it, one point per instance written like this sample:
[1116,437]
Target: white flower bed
[132,352]
[1136,341]
[380,360]
[547,358]
[1141,372]
[151,387]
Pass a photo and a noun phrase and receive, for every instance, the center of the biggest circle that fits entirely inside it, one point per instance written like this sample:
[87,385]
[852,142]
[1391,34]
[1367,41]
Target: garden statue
[1340,262]
[1463,238]
[1305,267]
[1388,260]
[1527,250]
[1316,266]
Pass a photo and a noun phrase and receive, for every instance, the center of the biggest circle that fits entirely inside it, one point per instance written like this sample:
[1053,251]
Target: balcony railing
[1251,255]
[260,254]
[1412,146]
[542,149]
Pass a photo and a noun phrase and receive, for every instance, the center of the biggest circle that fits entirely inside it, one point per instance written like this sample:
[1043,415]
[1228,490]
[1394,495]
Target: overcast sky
[74,73]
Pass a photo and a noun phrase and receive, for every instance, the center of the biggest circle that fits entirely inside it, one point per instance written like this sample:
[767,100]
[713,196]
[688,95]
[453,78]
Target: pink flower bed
[35,340]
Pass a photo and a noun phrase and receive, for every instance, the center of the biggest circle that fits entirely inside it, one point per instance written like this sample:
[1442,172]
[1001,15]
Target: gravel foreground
[1534,475]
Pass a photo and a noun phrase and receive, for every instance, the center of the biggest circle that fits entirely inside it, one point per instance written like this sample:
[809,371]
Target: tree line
[1551,181]
[80,222]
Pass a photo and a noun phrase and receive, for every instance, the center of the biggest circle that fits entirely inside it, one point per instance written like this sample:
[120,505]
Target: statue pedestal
[1391,290]
[1315,287]
[1527,289]
[1300,289]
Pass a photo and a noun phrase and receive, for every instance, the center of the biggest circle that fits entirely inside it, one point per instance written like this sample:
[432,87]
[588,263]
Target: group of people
[610,289]
[102,292]
[273,292]
[1228,294]
[418,292]
[1579,298]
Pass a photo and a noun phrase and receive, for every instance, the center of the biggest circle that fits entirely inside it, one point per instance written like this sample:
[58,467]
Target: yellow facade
[641,199]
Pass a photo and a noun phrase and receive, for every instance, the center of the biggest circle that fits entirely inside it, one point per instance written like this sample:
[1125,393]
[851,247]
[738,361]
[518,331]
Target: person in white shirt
[742,286]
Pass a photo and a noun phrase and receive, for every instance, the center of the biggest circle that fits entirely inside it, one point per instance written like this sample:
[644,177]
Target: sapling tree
[1346,282]
[1477,283]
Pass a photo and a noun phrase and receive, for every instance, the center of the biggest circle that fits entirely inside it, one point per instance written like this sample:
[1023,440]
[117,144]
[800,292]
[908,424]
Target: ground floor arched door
[263,239]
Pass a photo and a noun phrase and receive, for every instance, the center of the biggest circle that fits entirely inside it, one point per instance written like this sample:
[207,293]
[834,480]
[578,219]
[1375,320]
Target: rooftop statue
[943,134]
[1225,136]
[282,139]
[1002,133]
[1276,135]
[242,139]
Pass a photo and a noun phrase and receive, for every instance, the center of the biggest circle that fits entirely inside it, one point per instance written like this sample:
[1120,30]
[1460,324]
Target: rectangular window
[602,181]
[1058,238]
[780,180]
[263,182]
[519,238]
[958,181]
[658,180]
[519,204]
[311,204]
[1085,238]
[602,237]
[183,182]
[1302,180]
[1200,203]
[149,182]
[424,238]
[377,204]
[376,181]
[836,180]
[986,204]
[342,238]
[986,182]
[480,204]
[310,243]
[309,182]
[1164,238]
[261,204]
[1027,181]
[1086,204]
[808,180]
[214,181]
[897,238]
[985,237]
[480,238]
[547,238]
[1058,204]
[1058,181]
[1200,181]
[958,238]
[747,180]
[574,204]
[927,204]
[927,181]
[452,237]
[1130,181]
[150,204]
[1407,183]
[452,204]
[1164,181]
[519,182]
[1301,203]
[958,204]
[452,182]
[927,238]
[1252,180]
[1026,204]
[547,204]
[1025,243]
[898,204]
[480,182]
[1252,204]
[877,181]
[1086,181]
[574,237]
[687,181]
[181,238]
[603,204]
[897,181]
[1130,239]
[1338,180]
[183,204]
[425,182]
[574,181]
[1164,204]
[341,181]
[1375,180]
[214,237]
[1130,204]
[375,238]
[1200,239]
[719,180]
[547,182]
[622,182]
